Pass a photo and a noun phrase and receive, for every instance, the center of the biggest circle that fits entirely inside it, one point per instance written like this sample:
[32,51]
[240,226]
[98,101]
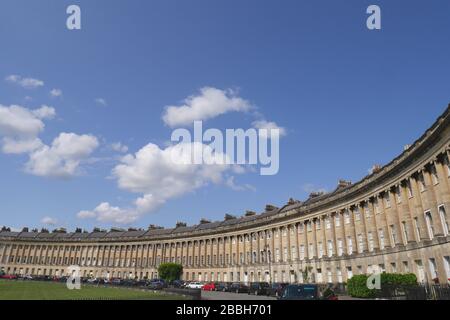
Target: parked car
[259,288]
[300,292]
[223,286]
[177,283]
[238,287]
[157,284]
[140,283]
[8,276]
[276,289]
[211,286]
[116,281]
[194,285]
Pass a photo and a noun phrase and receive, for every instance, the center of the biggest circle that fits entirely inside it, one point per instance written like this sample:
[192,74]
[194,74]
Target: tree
[170,271]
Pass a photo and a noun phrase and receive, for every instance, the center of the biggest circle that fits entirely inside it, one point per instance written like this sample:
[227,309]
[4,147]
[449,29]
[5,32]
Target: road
[215,295]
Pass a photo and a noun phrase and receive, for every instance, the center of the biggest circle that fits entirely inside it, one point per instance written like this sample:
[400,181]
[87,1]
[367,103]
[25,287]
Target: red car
[211,286]
[8,276]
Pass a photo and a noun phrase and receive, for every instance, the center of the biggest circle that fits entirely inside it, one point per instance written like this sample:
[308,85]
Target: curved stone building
[395,220]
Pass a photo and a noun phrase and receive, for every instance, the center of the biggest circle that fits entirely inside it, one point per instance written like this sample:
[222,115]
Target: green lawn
[35,290]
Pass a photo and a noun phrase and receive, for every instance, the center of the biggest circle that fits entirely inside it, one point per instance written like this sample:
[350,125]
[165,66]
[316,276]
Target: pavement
[216,295]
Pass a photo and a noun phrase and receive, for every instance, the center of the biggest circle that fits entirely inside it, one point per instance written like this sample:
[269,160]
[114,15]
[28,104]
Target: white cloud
[119,147]
[56,93]
[17,121]
[101,101]
[45,112]
[49,221]
[62,159]
[263,124]
[231,184]
[104,212]
[19,146]
[19,130]
[153,173]
[27,83]
[210,103]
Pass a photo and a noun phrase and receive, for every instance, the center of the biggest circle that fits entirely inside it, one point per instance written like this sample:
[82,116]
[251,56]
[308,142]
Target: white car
[194,285]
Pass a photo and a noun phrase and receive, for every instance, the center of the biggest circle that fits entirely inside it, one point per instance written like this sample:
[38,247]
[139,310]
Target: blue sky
[347,97]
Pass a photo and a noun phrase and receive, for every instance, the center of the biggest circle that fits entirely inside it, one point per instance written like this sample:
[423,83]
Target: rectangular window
[357,215]
[387,199]
[293,251]
[393,267]
[433,268]
[318,224]
[381,238]
[329,276]
[370,241]
[447,267]
[398,192]
[347,217]
[330,248]
[320,246]
[367,210]
[405,231]
[360,243]
[409,188]
[393,235]
[349,245]
[328,223]
[434,175]
[301,227]
[421,180]
[443,217]
[377,206]
[311,251]
[429,223]
[339,274]
[405,267]
[309,226]
[340,247]
[349,273]
[417,229]
[302,252]
[337,220]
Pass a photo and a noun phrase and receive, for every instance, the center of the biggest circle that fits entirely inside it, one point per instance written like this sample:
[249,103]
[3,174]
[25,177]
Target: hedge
[357,285]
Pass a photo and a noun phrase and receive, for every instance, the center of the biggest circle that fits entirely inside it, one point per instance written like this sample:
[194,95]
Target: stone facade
[396,220]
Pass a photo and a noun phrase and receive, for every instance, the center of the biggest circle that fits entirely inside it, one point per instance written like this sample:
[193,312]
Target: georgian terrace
[395,219]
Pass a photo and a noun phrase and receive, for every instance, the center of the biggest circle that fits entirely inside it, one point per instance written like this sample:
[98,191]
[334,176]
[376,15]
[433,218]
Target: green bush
[170,271]
[357,285]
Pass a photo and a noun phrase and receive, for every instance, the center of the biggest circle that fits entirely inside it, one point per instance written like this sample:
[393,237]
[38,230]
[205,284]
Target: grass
[35,290]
